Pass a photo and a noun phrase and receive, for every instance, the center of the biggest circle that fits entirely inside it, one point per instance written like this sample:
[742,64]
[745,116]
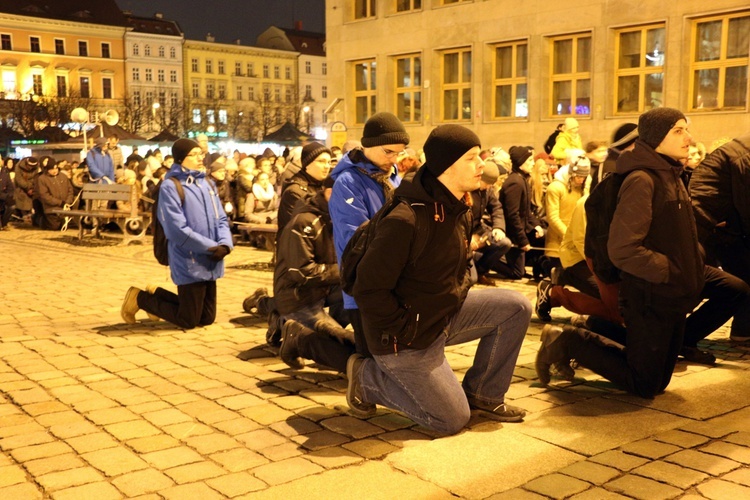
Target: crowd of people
[446,218]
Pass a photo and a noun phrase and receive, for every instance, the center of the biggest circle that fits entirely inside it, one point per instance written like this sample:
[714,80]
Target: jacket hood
[183,174]
[644,156]
[316,205]
[353,159]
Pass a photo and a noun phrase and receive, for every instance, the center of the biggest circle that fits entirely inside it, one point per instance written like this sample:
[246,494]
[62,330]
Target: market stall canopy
[116,130]
[50,134]
[287,134]
[164,136]
[8,134]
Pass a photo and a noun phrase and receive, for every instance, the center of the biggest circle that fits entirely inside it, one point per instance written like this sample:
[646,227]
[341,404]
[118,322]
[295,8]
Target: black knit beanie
[384,128]
[312,151]
[445,145]
[518,156]
[181,148]
[654,124]
[624,136]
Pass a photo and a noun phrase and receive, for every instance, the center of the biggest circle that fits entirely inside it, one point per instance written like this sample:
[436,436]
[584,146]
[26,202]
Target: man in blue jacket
[101,168]
[363,179]
[198,240]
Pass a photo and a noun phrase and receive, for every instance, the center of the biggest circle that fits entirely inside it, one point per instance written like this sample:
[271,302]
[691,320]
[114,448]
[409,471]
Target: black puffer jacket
[653,237]
[720,190]
[299,187]
[407,302]
[306,266]
[519,218]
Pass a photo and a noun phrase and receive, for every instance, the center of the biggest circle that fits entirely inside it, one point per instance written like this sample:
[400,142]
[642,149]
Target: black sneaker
[695,355]
[502,412]
[250,304]
[273,334]
[357,405]
[543,305]
[290,334]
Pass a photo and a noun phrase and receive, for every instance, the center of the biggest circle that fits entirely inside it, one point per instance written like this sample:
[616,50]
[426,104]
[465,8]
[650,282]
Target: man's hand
[219,252]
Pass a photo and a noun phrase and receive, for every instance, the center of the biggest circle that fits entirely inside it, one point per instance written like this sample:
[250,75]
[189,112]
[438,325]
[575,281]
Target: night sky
[228,20]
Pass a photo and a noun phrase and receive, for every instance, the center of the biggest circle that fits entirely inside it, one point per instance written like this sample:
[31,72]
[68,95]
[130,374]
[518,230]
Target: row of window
[35,45]
[366,9]
[718,74]
[149,75]
[135,50]
[151,99]
[62,85]
[221,69]
[218,90]
[323,68]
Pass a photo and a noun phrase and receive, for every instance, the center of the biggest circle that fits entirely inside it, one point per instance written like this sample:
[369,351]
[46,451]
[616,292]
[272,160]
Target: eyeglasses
[388,153]
[200,154]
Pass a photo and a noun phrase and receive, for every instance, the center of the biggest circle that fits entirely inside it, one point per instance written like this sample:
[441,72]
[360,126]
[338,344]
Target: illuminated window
[364,77]
[639,68]
[455,72]
[719,62]
[9,82]
[196,115]
[409,88]
[510,80]
[570,85]
[36,84]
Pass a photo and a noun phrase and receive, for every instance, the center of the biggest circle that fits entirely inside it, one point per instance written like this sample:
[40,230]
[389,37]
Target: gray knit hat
[655,124]
[384,128]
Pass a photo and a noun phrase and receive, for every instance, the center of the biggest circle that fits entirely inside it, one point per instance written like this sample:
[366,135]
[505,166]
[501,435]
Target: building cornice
[38,24]
[229,48]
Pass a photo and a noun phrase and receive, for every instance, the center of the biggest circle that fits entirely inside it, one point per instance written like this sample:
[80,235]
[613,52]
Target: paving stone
[681,438]
[334,457]
[239,459]
[721,490]
[739,476]
[649,448]
[10,475]
[598,494]
[172,457]
[42,466]
[262,438]
[191,490]
[26,491]
[238,483]
[111,416]
[194,472]
[267,413]
[73,429]
[710,464]
[24,440]
[282,451]
[642,488]
[92,442]
[40,451]
[69,478]
[37,409]
[729,450]
[115,461]
[142,482]
[286,470]
[677,476]
[351,426]
[211,443]
[591,472]
[618,460]
[320,440]
[370,448]
[556,486]
[99,491]
[170,416]
[237,426]
[186,430]
[131,430]
[516,494]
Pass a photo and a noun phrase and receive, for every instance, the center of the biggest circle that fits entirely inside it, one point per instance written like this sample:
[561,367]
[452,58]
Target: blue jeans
[421,383]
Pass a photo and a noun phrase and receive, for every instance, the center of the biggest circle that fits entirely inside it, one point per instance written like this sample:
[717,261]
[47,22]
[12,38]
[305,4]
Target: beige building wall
[478,25]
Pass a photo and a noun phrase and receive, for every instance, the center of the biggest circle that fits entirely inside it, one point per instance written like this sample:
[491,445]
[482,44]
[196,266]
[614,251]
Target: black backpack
[357,245]
[160,239]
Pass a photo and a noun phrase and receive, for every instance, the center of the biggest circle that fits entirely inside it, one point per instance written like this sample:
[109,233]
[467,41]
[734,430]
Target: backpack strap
[421,231]
[180,190]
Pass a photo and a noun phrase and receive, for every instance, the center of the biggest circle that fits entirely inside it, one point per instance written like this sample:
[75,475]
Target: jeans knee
[452,423]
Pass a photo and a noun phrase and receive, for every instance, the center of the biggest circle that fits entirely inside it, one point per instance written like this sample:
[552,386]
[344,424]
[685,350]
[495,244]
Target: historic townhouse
[60,54]
[513,70]
[311,66]
[233,90]
[153,73]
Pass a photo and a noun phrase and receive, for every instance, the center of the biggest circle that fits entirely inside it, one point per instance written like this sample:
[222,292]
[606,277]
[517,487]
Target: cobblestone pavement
[93,408]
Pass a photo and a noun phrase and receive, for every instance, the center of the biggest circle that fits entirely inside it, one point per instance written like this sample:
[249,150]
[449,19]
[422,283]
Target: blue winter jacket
[355,199]
[100,165]
[191,229]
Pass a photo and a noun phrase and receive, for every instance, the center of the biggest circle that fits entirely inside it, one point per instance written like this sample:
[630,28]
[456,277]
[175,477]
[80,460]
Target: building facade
[57,59]
[153,75]
[312,68]
[512,71]
[238,91]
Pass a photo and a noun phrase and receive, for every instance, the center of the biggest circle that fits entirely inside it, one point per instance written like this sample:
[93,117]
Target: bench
[266,230]
[96,197]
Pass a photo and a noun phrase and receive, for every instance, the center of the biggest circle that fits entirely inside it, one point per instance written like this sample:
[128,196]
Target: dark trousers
[580,277]
[726,296]
[193,305]
[654,338]
[360,341]
[490,255]
[6,211]
[735,259]
[514,266]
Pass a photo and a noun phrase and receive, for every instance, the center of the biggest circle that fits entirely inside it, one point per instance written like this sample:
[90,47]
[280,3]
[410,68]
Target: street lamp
[306,110]
[154,107]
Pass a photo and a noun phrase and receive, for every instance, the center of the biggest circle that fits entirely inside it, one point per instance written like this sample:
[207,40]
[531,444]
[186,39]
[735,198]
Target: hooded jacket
[653,238]
[306,267]
[561,199]
[100,165]
[193,227]
[408,303]
[519,218]
[299,187]
[355,199]
[720,190]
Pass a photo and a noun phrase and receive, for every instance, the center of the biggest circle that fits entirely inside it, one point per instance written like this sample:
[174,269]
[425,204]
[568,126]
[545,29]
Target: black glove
[219,252]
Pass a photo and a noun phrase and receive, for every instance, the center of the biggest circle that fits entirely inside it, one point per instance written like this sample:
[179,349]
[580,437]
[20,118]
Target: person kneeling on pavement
[412,307]
[306,280]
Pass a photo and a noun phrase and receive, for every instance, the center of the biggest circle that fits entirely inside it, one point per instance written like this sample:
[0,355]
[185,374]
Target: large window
[34,44]
[210,90]
[510,80]
[5,42]
[455,72]
[106,52]
[83,48]
[364,8]
[194,65]
[364,90]
[196,90]
[160,75]
[409,88]
[719,61]
[407,5]
[149,75]
[107,88]
[222,66]
[639,69]
[60,46]
[172,76]
[570,84]
[209,66]
[85,87]
[62,85]
[36,84]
